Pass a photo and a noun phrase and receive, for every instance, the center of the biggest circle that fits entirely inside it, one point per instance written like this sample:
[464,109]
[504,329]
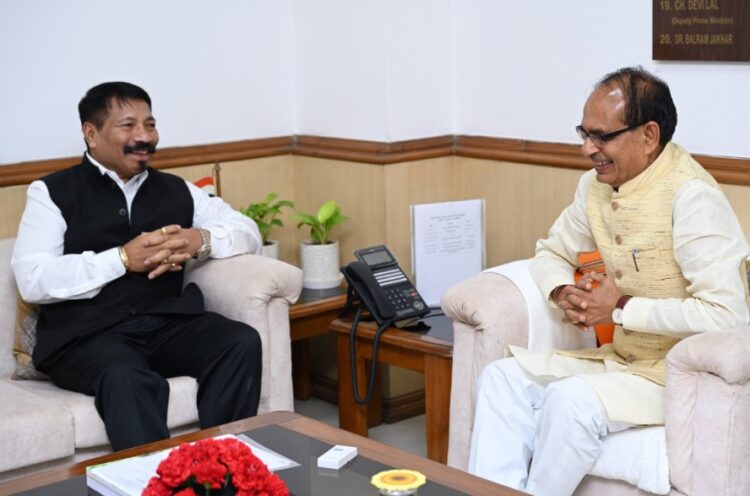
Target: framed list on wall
[713,30]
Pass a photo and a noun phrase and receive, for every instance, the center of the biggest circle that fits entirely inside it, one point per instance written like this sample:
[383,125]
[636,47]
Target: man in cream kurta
[674,254]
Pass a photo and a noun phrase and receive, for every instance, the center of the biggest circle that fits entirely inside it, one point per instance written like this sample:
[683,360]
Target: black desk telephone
[377,281]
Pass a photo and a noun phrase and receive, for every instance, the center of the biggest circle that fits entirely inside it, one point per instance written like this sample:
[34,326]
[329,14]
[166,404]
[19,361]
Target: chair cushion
[32,428]
[89,428]
[27,315]
[637,456]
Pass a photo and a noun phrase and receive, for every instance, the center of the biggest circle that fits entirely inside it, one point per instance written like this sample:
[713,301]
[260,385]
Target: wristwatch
[205,250]
[617,312]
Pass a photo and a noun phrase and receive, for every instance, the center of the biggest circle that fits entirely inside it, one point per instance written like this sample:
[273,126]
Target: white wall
[340,61]
[525,68]
[371,69]
[419,68]
[377,70]
[216,71]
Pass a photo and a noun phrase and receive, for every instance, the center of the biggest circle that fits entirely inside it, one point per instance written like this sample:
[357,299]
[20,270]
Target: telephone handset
[378,282]
[364,285]
[383,287]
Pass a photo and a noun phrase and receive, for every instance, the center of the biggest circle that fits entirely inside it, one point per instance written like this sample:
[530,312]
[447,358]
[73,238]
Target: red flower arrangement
[217,467]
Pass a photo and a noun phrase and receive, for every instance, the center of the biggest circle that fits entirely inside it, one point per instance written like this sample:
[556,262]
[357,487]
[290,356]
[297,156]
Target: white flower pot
[271,250]
[320,265]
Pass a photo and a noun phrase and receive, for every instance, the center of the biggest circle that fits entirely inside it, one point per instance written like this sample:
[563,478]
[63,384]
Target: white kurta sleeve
[711,249]
[43,273]
[231,232]
[557,256]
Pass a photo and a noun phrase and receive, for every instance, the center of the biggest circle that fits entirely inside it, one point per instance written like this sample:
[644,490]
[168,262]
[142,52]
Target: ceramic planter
[271,250]
[320,265]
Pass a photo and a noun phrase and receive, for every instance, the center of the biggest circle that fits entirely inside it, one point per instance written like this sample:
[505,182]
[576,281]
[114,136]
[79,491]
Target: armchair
[703,447]
[42,425]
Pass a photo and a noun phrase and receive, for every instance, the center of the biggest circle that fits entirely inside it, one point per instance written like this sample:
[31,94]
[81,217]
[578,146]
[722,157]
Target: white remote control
[337,457]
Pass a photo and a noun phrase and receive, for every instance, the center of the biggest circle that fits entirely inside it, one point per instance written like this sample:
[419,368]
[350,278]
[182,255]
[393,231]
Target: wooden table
[310,316]
[70,479]
[421,352]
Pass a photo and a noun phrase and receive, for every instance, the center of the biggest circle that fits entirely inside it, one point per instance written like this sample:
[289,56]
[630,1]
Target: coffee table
[310,316]
[299,438]
[429,352]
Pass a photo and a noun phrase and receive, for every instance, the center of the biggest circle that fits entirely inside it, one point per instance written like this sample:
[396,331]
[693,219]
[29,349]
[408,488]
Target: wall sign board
[701,30]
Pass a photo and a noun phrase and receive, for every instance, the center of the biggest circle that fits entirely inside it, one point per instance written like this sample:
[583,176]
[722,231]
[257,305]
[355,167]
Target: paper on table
[128,477]
[447,245]
[273,460]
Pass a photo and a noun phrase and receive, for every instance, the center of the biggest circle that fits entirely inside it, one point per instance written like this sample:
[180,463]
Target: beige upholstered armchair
[42,425]
[704,448]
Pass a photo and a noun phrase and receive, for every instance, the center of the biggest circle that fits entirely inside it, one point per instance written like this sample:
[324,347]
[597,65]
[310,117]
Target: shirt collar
[135,181]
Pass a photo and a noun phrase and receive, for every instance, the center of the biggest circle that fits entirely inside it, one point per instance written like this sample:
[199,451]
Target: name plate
[701,30]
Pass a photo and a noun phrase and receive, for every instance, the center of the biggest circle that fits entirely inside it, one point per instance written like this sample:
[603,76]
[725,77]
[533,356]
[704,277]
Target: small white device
[337,457]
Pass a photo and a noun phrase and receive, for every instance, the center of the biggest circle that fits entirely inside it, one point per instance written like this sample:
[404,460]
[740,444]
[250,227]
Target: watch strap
[622,301]
[205,249]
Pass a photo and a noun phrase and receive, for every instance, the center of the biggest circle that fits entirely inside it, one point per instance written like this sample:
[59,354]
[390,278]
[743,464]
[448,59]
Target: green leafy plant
[264,213]
[329,215]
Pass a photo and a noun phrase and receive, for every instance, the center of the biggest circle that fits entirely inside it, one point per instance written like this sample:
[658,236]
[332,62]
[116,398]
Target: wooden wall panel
[521,203]
[192,173]
[12,203]
[423,181]
[356,187]
[739,197]
[247,181]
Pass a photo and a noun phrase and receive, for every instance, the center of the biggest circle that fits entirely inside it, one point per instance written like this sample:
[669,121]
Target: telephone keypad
[404,298]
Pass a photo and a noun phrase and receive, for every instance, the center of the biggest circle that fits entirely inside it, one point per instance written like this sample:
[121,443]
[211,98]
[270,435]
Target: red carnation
[214,464]
[177,467]
[156,488]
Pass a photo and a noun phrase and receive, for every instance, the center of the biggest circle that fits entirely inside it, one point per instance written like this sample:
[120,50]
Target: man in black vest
[101,247]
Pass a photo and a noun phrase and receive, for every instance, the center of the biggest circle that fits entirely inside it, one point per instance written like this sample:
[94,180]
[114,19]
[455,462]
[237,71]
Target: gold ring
[164,231]
[173,265]
[165,261]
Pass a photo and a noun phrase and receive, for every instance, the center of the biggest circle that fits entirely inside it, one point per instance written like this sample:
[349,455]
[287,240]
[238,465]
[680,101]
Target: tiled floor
[408,435]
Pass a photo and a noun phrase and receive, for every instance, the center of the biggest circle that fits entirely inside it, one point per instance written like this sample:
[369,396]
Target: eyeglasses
[601,139]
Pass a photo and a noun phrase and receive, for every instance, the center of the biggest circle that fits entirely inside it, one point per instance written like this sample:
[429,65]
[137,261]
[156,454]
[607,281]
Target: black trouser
[125,367]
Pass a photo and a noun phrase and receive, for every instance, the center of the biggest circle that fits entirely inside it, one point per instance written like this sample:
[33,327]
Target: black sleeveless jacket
[95,211]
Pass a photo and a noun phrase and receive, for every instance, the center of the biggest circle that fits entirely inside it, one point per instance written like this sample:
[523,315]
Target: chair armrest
[484,302]
[227,283]
[708,413]
[488,313]
[722,353]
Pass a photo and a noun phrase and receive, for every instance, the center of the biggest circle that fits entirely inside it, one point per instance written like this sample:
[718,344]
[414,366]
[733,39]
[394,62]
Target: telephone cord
[373,360]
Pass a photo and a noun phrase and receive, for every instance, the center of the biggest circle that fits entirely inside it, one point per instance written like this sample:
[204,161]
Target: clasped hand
[163,250]
[586,303]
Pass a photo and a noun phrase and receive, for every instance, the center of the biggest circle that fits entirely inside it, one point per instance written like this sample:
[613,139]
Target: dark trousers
[125,368]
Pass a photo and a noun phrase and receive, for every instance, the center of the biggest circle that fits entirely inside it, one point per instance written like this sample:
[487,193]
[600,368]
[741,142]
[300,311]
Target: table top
[316,301]
[300,438]
[434,337]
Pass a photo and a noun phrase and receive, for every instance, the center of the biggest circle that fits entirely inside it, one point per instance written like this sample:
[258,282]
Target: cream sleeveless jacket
[632,228]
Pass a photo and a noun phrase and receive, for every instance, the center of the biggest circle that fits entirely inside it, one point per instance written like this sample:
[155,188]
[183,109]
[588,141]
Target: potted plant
[320,254]
[264,214]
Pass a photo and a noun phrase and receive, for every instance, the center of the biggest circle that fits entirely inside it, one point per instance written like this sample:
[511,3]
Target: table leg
[301,369]
[437,375]
[352,415]
[375,406]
